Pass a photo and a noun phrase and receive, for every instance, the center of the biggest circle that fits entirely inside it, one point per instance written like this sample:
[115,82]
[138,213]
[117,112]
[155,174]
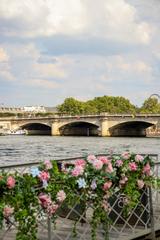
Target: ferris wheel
[155,95]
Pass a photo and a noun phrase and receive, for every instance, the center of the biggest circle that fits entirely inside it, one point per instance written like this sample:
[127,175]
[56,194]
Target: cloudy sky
[53,49]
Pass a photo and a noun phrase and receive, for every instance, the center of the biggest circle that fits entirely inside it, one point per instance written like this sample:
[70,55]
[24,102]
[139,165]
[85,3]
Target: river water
[24,149]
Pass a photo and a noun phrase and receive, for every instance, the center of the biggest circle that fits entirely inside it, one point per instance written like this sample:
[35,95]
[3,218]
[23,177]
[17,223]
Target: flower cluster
[102,176]
[135,168]
[10,182]
[49,205]
[43,175]
[94,175]
[8,211]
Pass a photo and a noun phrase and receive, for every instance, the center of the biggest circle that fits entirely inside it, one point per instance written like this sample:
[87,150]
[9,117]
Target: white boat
[17,132]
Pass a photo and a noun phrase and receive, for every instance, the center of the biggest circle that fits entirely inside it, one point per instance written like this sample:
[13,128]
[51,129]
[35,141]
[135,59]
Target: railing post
[153,237]
[49,223]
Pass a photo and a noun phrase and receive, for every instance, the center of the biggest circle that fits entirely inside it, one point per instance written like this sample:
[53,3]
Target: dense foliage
[97,105]
[48,189]
[150,105]
[108,104]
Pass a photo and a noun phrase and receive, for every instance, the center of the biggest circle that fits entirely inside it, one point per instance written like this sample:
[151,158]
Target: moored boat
[18,132]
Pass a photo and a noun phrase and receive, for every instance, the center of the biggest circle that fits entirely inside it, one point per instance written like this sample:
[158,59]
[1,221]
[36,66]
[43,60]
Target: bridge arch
[79,128]
[130,128]
[36,128]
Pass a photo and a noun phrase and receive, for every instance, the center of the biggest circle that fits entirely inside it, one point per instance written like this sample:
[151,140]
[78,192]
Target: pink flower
[147,169]
[48,164]
[132,166]
[139,158]
[44,176]
[107,185]
[105,205]
[7,211]
[103,159]
[123,180]
[97,164]
[80,162]
[91,158]
[77,171]
[10,182]
[119,163]
[126,155]
[109,168]
[61,196]
[45,200]
[51,208]
[140,184]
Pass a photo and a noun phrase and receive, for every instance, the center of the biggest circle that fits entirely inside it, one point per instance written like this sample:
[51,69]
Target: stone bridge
[87,125]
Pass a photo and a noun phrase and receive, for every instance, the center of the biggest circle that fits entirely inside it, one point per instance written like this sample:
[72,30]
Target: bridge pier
[105,128]
[55,129]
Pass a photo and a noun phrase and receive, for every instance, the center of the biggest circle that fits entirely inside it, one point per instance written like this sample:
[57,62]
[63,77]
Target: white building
[34,109]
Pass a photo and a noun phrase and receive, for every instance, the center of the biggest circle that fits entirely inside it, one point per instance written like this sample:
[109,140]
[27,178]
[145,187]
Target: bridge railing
[144,219]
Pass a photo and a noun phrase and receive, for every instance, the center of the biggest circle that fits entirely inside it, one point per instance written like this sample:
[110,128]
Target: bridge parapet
[101,115]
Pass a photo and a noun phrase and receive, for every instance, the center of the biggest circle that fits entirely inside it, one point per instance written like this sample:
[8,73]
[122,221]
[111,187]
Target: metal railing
[144,219]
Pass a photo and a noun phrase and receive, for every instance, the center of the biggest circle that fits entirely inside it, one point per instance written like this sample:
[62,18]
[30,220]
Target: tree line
[97,105]
[107,104]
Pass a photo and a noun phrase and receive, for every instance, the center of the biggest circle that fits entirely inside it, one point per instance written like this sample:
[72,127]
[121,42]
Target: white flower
[81,183]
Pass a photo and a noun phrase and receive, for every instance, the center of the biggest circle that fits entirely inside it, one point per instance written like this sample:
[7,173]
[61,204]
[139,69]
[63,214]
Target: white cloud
[120,63]
[48,70]
[122,22]
[3,55]
[42,83]
[6,75]
[117,20]
[5,70]
[44,18]
[24,67]
[23,51]
[156,51]
[112,19]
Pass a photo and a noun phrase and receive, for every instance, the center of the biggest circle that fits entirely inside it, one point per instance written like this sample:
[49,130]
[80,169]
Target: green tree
[90,107]
[150,105]
[112,104]
[71,106]
[108,104]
